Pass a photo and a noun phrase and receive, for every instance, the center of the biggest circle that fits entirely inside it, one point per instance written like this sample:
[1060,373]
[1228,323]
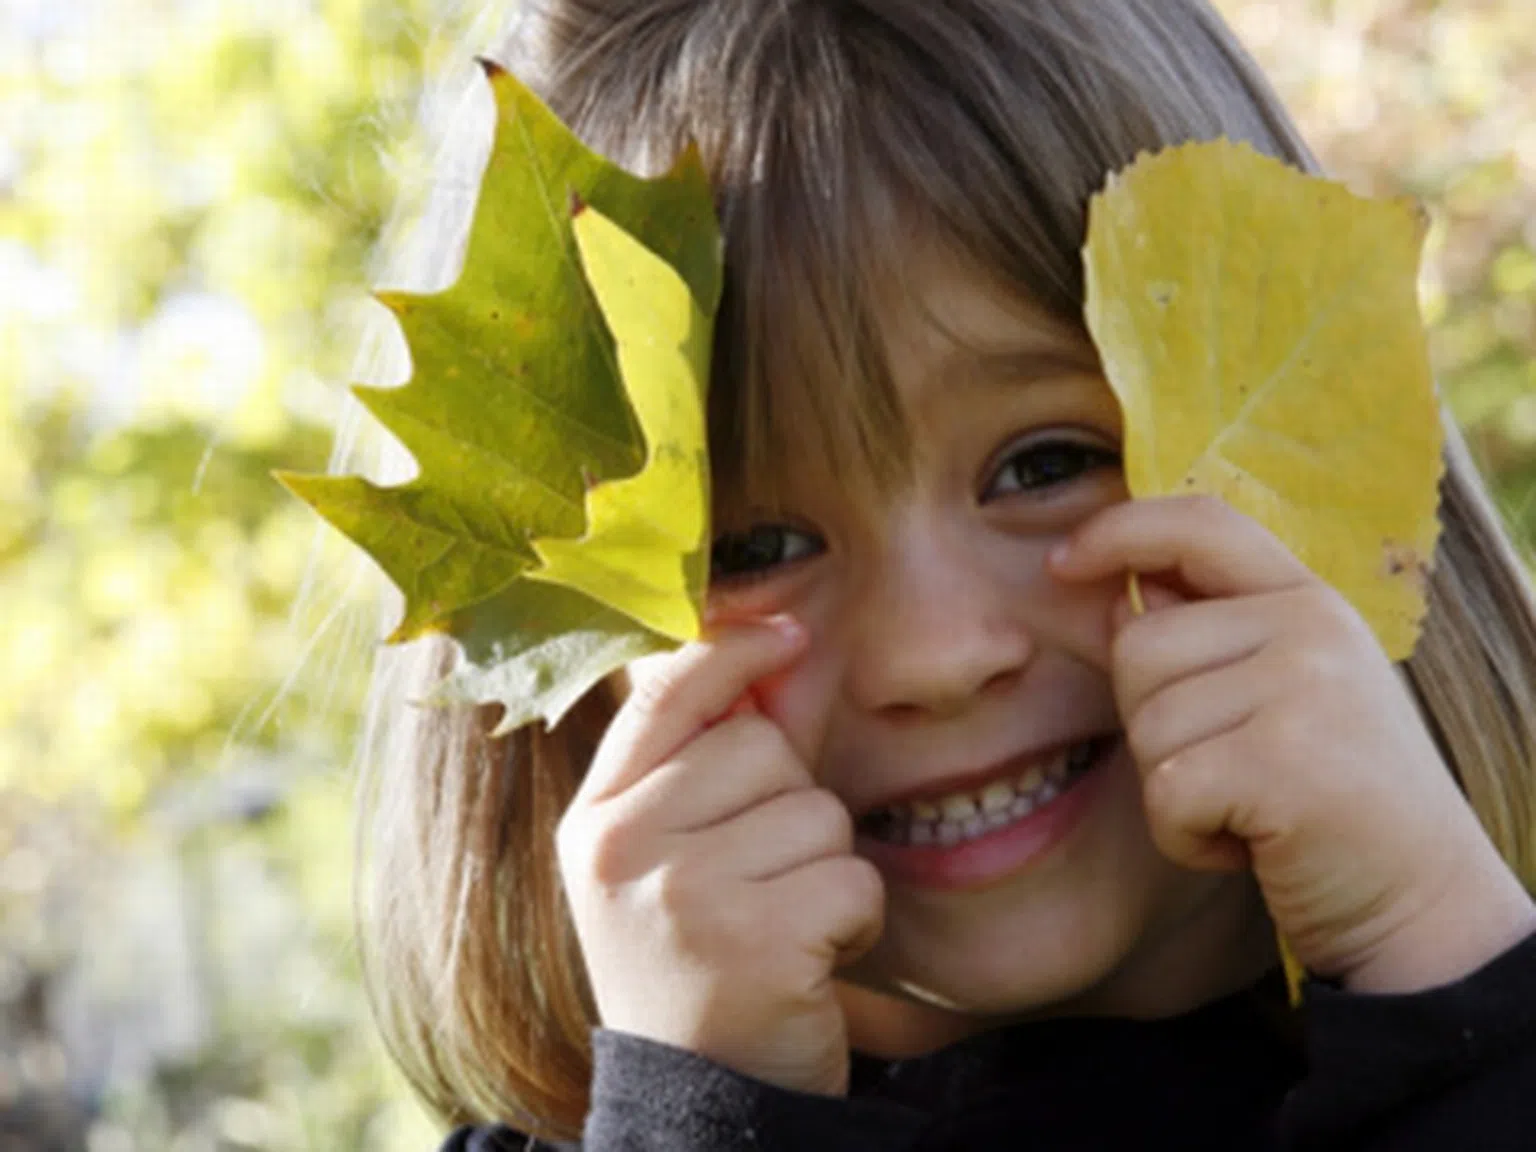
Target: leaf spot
[1403,561]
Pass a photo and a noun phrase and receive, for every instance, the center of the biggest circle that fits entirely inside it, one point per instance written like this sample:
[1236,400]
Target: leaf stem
[1133,589]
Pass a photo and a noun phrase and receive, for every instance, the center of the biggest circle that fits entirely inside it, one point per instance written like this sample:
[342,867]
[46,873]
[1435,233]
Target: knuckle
[721,931]
[572,837]
[770,751]
[1302,662]
[1138,736]
[1165,791]
[1134,649]
[1328,615]
[799,977]
[1331,605]
[567,829]
[1318,654]
[1173,841]
[1128,648]
[655,688]
[869,884]
[1146,730]
[677,890]
[605,853]
[1288,732]
[861,881]
[824,812]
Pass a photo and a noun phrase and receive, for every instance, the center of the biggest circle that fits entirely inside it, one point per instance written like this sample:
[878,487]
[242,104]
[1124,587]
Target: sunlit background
[192,193]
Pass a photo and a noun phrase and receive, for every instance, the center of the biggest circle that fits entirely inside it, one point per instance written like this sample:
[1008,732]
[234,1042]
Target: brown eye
[758,550]
[1047,463]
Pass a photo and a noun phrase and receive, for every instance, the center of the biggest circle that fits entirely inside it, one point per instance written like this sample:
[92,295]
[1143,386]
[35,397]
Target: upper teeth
[962,815]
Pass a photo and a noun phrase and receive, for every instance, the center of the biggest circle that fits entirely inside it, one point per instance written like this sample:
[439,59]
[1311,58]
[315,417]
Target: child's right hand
[712,883]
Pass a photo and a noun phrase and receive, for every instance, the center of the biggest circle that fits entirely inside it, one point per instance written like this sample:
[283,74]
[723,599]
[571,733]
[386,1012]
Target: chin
[1170,941]
[1159,941]
[1003,968]
[1103,924]
[1050,933]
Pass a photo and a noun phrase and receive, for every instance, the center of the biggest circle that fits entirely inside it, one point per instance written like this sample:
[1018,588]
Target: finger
[728,768]
[1191,712]
[1203,541]
[778,836]
[1195,807]
[1156,595]
[743,705]
[836,906]
[673,697]
[1154,650]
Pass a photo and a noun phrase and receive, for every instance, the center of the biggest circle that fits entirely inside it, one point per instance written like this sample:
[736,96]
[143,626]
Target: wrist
[1459,933]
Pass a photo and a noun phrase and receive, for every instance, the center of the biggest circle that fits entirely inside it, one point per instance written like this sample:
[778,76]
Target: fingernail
[1060,554]
[790,629]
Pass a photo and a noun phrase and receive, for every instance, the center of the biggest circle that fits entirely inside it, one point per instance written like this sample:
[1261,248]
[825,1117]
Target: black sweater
[1450,1070]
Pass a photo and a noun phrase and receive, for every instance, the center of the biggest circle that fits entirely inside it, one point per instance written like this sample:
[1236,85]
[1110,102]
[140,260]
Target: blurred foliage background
[192,194]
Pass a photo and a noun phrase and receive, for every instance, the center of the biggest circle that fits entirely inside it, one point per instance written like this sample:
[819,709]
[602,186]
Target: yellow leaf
[644,546]
[1261,329]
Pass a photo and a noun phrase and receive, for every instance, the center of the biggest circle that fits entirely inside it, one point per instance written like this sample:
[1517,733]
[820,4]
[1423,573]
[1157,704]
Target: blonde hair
[984,124]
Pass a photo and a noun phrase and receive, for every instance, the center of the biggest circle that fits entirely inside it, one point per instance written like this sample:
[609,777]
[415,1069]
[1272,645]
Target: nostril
[944,701]
[1003,682]
[911,661]
[903,713]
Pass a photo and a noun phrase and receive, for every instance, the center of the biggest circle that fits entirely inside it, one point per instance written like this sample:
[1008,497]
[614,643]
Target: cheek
[799,699]
[1071,617]
[1079,619]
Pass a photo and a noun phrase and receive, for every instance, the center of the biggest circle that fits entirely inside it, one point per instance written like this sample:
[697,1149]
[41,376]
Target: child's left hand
[1271,730]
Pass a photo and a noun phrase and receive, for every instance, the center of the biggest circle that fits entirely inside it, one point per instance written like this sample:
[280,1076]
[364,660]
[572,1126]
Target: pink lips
[998,854]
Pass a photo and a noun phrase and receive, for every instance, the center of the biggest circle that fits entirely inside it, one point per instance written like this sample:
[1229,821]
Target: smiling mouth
[972,813]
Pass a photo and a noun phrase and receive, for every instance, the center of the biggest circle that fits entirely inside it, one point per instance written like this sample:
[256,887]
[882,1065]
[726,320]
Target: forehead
[954,325]
[945,342]
[960,345]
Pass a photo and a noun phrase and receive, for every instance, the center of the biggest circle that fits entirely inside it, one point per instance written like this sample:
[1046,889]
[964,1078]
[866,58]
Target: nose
[936,623]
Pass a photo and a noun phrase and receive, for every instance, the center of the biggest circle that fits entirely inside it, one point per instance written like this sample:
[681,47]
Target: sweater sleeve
[1450,1067]
[652,1097]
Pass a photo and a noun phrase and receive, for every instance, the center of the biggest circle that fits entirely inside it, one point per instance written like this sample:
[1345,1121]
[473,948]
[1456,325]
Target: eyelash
[743,567]
[1084,458]
[763,550]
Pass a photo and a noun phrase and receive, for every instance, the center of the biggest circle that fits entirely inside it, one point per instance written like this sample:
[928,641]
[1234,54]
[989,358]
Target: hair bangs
[856,139]
[801,386]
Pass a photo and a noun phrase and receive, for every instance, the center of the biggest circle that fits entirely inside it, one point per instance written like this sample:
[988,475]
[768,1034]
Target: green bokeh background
[193,194]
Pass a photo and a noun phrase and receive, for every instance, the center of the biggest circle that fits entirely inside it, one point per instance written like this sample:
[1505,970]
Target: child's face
[944,659]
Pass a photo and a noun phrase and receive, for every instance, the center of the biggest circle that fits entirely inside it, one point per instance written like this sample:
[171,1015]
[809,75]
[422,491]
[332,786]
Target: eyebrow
[999,366]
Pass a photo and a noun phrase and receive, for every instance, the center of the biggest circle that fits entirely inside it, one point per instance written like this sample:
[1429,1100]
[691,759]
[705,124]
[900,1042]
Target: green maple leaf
[558,523]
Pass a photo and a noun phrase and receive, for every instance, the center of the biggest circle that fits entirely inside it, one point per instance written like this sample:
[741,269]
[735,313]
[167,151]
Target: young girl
[931,843]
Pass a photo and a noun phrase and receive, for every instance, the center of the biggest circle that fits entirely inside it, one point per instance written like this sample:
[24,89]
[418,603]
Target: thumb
[745,705]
